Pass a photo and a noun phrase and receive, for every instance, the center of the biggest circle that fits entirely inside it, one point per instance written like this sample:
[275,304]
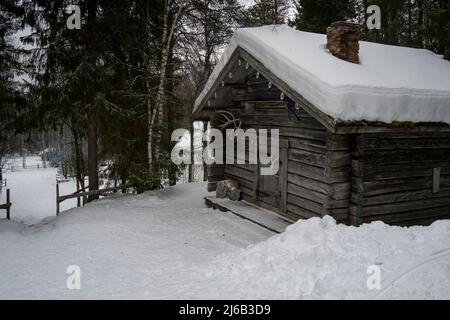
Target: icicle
[223,84]
[209,103]
[282,96]
[239,62]
[257,75]
[230,75]
[297,106]
[270,85]
[247,66]
[215,95]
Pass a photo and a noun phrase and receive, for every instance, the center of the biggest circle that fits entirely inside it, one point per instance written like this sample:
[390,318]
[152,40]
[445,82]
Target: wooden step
[246,210]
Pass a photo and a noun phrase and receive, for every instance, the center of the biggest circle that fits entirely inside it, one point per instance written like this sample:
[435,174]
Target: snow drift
[168,245]
[318,259]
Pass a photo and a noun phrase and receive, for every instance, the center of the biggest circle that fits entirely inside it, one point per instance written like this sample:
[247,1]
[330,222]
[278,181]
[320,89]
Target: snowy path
[168,245]
[132,247]
[33,192]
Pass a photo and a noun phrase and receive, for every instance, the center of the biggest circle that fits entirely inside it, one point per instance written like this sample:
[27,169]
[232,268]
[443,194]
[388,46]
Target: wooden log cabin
[356,146]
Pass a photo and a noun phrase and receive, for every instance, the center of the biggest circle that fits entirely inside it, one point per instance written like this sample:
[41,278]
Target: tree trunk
[92,155]
[157,116]
[92,116]
[191,166]
[205,167]
[79,167]
[1,174]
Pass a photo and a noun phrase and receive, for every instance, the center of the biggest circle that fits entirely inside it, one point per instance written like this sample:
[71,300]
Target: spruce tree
[317,15]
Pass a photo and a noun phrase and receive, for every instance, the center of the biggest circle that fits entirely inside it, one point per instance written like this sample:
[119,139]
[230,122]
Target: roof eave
[328,122]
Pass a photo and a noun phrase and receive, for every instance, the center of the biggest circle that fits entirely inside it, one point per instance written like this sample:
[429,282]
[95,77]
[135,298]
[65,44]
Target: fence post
[57,198]
[8,205]
[78,191]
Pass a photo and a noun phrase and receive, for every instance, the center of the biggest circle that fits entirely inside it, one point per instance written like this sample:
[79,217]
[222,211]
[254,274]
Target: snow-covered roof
[390,84]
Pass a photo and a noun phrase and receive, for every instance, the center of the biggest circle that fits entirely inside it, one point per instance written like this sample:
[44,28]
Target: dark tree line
[118,87]
[413,23]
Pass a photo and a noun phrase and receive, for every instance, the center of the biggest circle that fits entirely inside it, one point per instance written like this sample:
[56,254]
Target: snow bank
[318,259]
[168,245]
[127,247]
[33,191]
[391,83]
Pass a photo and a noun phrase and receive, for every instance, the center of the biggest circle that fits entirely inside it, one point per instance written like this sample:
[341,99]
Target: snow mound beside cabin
[318,259]
[168,245]
[390,84]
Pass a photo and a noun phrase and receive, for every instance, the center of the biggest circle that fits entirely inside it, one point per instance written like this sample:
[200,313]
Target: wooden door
[272,190]
[269,191]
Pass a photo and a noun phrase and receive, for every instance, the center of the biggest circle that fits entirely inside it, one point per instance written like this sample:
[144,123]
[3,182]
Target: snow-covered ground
[33,191]
[167,244]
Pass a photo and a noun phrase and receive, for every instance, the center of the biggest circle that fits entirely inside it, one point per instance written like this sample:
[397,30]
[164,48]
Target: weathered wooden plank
[400,143]
[284,176]
[306,193]
[239,172]
[400,156]
[339,191]
[379,187]
[265,113]
[436,179]
[88,193]
[215,170]
[338,159]
[216,178]
[396,171]
[401,207]
[344,128]
[338,142]
[308,183]
[256,175]
[336,204]
[307,171]
[401,197]
[5,206]
[281,120]
[308,145]
[301,212]
[262,217]
[259,86]
[256,96]
[413,216]
[337,175]
[357,169]
[305,203]
[307,157]
[290,132]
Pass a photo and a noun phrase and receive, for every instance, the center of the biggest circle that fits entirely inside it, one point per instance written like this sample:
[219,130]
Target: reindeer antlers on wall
[227,119]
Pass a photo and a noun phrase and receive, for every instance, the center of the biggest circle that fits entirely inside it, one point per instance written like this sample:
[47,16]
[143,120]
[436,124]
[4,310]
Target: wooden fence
[82,194]
[7,205]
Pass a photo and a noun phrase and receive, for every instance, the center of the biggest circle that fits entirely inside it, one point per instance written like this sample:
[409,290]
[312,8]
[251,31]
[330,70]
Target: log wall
[305,188]
[401,179]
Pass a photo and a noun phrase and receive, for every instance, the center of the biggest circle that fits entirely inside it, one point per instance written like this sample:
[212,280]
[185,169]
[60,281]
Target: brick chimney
[343,41]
